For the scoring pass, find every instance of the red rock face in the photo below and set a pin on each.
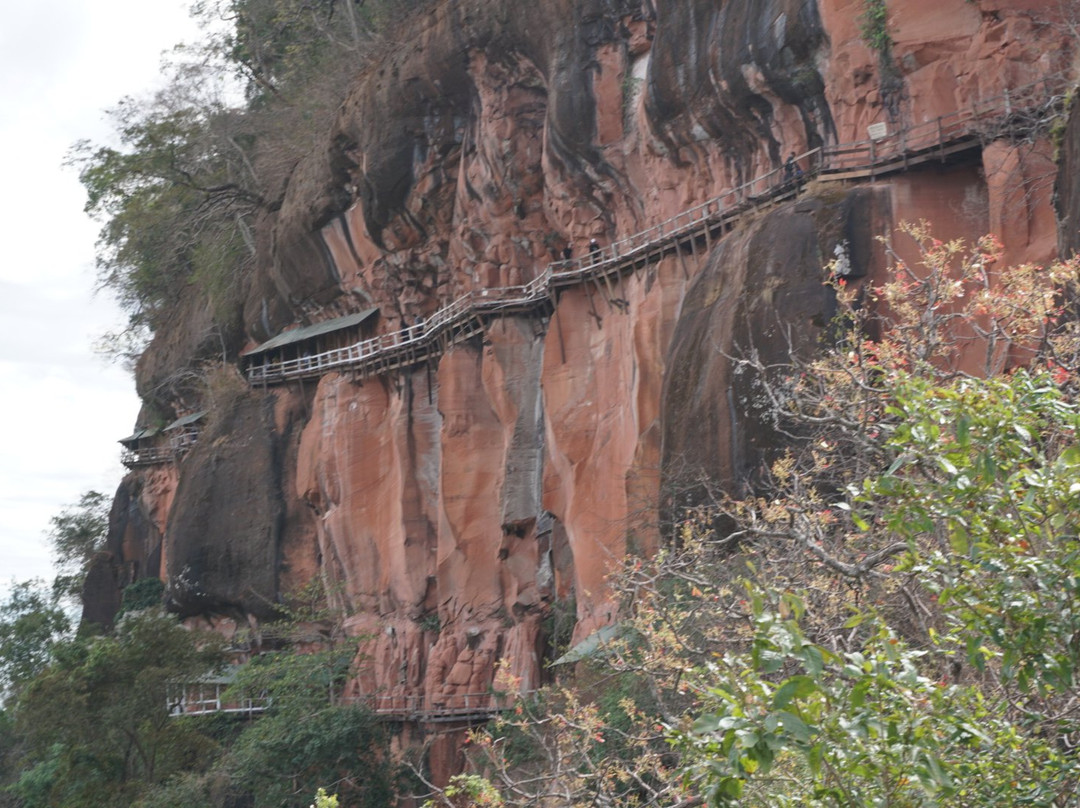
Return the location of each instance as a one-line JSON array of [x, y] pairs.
[[452, 504]]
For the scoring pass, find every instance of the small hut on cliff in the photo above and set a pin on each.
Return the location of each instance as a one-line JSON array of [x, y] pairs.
[[306, 344]]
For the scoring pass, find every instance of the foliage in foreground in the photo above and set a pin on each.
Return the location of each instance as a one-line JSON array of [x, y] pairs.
[[974, 704], [893, 618]]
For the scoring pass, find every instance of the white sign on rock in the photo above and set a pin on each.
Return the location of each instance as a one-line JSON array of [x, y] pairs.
[[877, 131]]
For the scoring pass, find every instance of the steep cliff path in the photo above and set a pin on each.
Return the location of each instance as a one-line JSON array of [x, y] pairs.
[[1015, 113]]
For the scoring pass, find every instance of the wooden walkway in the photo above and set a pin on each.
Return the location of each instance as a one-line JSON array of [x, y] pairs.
[[209, 698], [153, 455], [147, 457], [1014, 113], [457, 708]]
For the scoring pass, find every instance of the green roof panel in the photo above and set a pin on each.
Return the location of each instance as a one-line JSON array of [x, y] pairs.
[[310, 331], [139, 434], [185, 421]]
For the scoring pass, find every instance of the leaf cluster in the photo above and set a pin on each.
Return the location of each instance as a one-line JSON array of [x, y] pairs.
[[77, 534], [909, 595]]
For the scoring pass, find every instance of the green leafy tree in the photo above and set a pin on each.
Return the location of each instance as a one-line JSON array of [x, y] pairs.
[[31, 623], [981, 708], [176, 200], [95, 728], [76, 536], [907, 577], [308, 736]]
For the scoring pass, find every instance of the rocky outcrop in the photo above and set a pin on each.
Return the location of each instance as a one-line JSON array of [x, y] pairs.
[[231, 514], [452, 504], [761, 291], [134, 546]]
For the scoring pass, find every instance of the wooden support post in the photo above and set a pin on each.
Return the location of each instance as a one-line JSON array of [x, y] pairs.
[[600, 289], [682, 261], [607, 285], [940, 140], [592, 306]]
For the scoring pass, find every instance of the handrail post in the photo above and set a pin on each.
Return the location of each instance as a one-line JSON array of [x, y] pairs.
[[940, 140]]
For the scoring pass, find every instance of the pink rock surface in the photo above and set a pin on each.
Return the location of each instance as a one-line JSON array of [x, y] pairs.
[[521, 466]]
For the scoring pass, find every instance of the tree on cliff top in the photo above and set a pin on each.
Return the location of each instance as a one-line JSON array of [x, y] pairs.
[[179, 196]]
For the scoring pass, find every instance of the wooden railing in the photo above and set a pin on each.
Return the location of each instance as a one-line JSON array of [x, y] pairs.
[[921, 142], [208, 698], [438, 709], [148, 456], [152, 455]]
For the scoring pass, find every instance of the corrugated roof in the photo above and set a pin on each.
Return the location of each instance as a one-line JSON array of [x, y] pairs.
[[225, 676], [309, 331], [594, 644], [138, 434], [187, 419]]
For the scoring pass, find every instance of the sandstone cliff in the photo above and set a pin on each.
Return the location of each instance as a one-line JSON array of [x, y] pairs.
[[451, 504]]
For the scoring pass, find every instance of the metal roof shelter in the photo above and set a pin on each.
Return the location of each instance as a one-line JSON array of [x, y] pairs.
[[175, 439], [206, 694], [311, 331], [187, 420], [139, 434], [595, 644]]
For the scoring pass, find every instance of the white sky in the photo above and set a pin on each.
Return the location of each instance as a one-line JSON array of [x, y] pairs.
[[62, 407]]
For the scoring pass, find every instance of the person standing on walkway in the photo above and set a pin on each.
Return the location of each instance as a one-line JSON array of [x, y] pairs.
[[594, 251]]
